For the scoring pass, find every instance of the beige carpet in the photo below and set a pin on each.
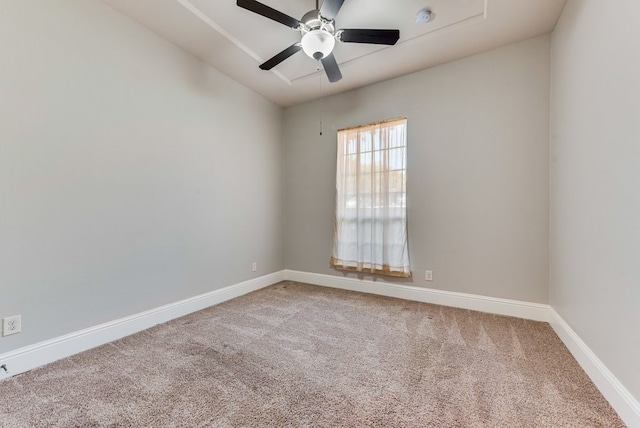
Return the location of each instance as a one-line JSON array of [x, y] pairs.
[[299, 355]]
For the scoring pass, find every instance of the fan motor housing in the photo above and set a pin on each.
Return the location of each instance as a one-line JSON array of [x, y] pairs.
[[314, 21]]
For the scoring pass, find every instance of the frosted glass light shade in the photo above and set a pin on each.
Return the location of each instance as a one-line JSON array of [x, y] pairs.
[[317, 44]]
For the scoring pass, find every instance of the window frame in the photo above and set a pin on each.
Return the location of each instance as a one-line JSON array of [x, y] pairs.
[[375, 260]]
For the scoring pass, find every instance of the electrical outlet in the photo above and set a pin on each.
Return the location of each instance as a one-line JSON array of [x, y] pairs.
[[11, 325], [428, 275], [254, 267]]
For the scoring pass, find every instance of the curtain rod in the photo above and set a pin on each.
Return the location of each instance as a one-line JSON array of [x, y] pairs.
[[379, 122]]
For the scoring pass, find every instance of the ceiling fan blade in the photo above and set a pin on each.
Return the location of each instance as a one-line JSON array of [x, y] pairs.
[[376, 37], [331, 68], [269, 64], [267, 12], [330, 8]]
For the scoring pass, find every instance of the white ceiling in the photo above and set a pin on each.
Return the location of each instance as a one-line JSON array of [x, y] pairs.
[[236, 41]]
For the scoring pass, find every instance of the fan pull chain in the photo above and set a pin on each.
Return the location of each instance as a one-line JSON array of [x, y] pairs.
[[321, 102]]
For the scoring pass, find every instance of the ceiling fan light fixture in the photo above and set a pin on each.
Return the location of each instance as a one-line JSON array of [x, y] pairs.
[[319, 34], [318, 44]]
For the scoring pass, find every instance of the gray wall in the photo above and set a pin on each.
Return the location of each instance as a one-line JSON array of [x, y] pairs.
[[595, 180], [131, 175], [478, 188]]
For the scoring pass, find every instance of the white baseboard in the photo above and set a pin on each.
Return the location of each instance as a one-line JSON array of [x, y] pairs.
[[619, 397], [30, 357], [514, 308]]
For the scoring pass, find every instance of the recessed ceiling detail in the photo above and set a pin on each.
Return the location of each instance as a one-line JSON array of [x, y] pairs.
[[354, 13], [233, 40]]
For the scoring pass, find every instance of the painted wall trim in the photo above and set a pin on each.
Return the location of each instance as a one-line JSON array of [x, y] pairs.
[[493, 305], [39, 354], [33, 356], [619, 397]]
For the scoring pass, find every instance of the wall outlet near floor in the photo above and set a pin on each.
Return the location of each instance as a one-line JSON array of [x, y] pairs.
[[428, 275], [11, 325], [254, 267]]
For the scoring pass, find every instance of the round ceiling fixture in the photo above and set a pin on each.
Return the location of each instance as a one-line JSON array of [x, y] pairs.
[[318, 44], [423, 16]]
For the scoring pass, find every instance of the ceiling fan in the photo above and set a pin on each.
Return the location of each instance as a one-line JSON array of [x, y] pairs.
[[319, 34]]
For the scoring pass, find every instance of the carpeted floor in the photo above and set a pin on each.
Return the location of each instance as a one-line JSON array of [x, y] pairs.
[[300, 355]]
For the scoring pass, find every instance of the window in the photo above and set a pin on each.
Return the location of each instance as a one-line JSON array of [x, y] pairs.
[[371, 200]]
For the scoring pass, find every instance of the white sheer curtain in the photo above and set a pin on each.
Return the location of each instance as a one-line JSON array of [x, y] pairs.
[[371, 211]]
